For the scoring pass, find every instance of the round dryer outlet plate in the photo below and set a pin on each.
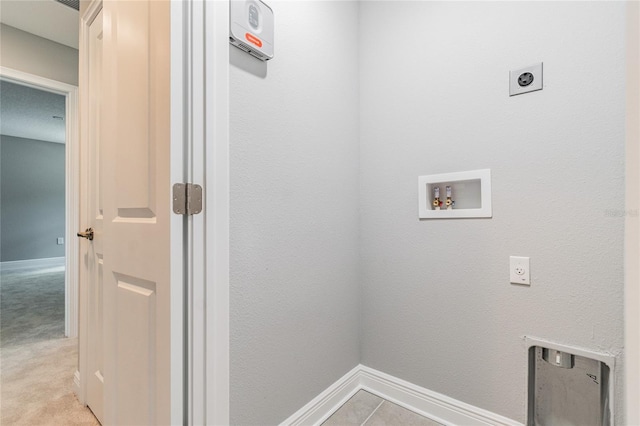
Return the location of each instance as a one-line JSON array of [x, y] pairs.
[[525, 79]]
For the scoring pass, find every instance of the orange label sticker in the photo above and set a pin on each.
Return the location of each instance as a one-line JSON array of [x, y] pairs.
[[253, 39]]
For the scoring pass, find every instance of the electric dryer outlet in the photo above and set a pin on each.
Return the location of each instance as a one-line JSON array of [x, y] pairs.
[[525, 80]]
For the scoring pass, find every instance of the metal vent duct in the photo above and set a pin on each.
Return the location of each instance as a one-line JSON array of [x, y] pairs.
[[73, 4]]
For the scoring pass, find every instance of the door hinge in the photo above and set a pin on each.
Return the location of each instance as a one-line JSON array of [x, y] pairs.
[[187, 198]]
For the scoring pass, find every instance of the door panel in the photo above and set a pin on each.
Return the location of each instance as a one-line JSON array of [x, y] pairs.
[[137, 208], [136, 360], [134, 139]]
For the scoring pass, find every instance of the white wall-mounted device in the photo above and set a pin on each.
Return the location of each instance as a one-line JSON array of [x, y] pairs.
[[251, 28]]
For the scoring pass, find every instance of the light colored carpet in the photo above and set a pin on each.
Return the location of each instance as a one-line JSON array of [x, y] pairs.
[[37, 381], [31, 305], [36, 362]]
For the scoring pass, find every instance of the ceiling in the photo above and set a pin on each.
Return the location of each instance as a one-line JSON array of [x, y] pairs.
[[45, 18], [28, 113]]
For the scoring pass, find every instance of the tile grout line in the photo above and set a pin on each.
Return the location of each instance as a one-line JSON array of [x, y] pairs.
[[372, 413]]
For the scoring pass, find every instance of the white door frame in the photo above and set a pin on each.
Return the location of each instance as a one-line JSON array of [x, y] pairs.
[[72, 170], [206, 130]]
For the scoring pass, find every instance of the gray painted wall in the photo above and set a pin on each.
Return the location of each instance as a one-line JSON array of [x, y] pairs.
[[32, 211], [438, 309], [294, 213], [432, 299], [35, 55]]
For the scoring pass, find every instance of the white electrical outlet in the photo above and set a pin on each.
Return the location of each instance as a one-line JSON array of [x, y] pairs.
[[60, 241], [519, 270]]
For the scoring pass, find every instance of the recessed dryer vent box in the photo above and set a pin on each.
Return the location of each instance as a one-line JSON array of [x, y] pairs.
[[568, 386], [251, 28], [471, 192]]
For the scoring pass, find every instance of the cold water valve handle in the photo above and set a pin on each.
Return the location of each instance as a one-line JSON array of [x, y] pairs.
[[449, 203]]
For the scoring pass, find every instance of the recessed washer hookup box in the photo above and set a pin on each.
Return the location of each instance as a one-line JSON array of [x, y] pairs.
[[251, 28]]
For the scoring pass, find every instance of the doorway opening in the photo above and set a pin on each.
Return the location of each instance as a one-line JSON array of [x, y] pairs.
[[39, 313], [32, 143], [26, 89]]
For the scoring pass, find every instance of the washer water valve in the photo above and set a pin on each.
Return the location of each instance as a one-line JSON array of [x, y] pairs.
[[449, 203], [436, 198]]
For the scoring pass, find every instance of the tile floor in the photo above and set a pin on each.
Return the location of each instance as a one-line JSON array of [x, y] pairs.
[[367, 409]]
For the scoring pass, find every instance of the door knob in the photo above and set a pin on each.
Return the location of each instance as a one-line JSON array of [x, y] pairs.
[[88, 234]]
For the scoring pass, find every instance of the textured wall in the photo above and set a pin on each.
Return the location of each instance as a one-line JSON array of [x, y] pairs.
[[294, 217], [35, 55], [31, 199], [438, 309]]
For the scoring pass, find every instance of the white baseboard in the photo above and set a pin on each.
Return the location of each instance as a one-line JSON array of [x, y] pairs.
[[16, 265], [325, 404], [438, 407]]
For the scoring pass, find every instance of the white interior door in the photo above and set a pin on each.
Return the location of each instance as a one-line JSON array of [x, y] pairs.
[[95, 254], [136, 208]]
